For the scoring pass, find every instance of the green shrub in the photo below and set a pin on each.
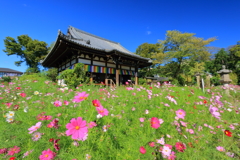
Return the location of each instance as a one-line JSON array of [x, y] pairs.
[[73, 77], [215, 80], [32, 70], [142, 81], [181, 80], [6, 79], [52, 74], [175, 82]]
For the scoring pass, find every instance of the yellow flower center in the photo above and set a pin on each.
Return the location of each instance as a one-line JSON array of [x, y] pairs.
[[46, 155], [77, 127]]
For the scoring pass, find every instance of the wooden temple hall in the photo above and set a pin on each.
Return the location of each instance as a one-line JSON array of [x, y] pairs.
[[102, 58]]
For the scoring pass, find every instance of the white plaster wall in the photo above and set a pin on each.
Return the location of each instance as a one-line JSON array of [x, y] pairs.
[[84, 61], [98, 63]]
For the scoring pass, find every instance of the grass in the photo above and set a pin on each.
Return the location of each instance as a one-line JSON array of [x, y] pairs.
[[124, 134]]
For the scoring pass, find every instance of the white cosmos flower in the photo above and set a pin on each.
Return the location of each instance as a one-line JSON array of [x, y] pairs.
[[25, 109], [99, 116], [10, 114], [10, 119], [36, 93]]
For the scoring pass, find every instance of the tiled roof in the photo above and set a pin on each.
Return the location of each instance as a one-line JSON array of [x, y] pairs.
[[92, 41], [9, 70]]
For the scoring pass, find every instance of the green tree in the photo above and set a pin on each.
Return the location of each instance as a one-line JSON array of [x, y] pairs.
[[179, 47], [73, 77], [152, 51], [234, 60], [29, 50]]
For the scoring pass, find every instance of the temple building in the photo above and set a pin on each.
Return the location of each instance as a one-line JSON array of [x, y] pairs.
[[102, 58], [9, 72]]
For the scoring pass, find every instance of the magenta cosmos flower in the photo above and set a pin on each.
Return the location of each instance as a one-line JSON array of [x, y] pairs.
[[180, 146], [220, 148], [57, 103], [142, 150], [13, 150], [102, 111], [180, 113], [77, 128], [155, 123], [34, 128], [47, 155], [96, 103], [80, 97]]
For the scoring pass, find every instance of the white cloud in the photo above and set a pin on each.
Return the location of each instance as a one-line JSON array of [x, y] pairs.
[[149, 32]]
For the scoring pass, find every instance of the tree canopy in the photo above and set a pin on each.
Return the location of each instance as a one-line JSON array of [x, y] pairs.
[[180, 47], [29, 50]]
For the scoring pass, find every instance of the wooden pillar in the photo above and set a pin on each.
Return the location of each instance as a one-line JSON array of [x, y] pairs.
[[91, 77], [136, 75], [117, 74], [107, 70]]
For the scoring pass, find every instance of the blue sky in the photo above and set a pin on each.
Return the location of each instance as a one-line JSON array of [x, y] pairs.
[[129, 22]]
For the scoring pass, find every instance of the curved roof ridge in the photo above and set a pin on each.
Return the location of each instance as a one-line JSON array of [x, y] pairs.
[[78, 30]]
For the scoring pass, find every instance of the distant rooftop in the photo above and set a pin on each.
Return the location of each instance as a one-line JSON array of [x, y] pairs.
[[7, 70]]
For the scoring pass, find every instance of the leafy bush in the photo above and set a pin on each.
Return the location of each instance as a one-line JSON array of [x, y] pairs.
[[6, 79], [175, 82], [215, 80], [73, 77], [52, 74], [32, 70], [142, 81], [181, 80]]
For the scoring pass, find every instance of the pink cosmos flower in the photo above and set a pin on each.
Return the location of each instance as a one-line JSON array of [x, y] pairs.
[[142, 150], [168, 145], [22, 94], [27, 153], [80, 97], [57, 103], [47, 155], [161, 121], [151, 144], [167, 105], [183, 123], [3, 150], [180, 113], [155, 123], [92, 124], [172, 156], [161, 141], [96, 103], [66, 103], [230, 154], [231, 126], [13, 150], [191, 131], [141, 119], [180, 146], [36, 136], [54, 123], [77, 128], [34, 128], [220, 148], [129, 88], [166, 151], [102, 111]]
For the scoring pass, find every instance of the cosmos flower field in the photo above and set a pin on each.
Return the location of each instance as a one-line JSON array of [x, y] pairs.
[[41, 120]]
